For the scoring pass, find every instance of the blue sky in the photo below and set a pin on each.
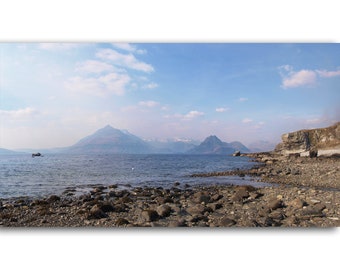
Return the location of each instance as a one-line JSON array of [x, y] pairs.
[[53, 94]]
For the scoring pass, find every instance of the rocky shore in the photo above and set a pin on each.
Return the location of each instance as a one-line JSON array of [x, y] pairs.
[[306, 195]]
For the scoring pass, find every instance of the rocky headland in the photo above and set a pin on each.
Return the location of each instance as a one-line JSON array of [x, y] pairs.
[[305, 192], [312, 142]]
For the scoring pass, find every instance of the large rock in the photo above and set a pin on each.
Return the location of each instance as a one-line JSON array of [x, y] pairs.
[[149, 215], [312, 142]]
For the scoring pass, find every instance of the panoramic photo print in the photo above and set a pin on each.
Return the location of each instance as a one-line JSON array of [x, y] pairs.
[[169, 134]]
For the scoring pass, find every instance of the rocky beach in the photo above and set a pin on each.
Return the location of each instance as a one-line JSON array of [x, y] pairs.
[[304, 172], [305, 193]]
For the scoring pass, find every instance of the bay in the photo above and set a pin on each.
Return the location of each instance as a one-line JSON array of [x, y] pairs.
[[22, 175]]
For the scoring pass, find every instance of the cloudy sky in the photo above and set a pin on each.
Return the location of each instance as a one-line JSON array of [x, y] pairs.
[[53, 94]]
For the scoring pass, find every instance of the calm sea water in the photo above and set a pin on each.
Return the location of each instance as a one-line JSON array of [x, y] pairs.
[[22, 175]]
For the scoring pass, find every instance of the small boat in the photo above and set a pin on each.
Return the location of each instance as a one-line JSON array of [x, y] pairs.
[[36, 155]]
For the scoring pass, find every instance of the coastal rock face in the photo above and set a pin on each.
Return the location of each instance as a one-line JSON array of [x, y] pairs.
[[323, 141]]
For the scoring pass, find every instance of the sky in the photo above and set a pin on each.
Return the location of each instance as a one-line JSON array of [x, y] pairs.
[[54, 94]]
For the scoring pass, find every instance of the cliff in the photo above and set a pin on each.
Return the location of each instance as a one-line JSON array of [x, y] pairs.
[[311, 142]]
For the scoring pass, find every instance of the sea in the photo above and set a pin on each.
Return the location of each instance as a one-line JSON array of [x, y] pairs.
[[23, 175]]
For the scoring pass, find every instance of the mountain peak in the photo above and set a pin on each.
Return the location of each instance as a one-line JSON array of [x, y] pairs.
[[213, 138], [213, 145], [107, 127]]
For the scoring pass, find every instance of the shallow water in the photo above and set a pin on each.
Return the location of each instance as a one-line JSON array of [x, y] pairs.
[[22, 175]]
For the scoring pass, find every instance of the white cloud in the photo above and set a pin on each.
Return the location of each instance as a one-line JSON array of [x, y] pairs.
[[300, 78], [247, 120], [112, 83], [93, 66], [189, 116], [19, 114], [242, 99], [58, 46], [193, 114], [149, 103], [128, 47], [150, 86], [124, 60], [304, 77], [222, 110], [328, 74]]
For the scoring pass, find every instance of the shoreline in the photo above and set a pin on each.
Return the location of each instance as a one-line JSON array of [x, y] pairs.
[[306, 194]]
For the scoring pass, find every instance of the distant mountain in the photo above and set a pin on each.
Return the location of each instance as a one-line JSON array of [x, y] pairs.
[[172, 146], [4, 151], [111, 140], [213, 145]]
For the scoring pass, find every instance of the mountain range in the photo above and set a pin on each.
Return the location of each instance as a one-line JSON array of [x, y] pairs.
[[115, 141], [111, 140], [213, 145]]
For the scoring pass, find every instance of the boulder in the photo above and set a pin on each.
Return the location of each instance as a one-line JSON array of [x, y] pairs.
[[107, 207], [96, 213], [163, 210], [53, 198], [275, 203]]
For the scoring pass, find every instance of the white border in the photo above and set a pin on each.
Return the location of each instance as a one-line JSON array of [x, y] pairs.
[[169, 21]]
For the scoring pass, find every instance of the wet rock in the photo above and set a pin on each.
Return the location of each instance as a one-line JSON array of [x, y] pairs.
[[107, 207], [39, 202], [177, 183], [236, 154], [113, 186], [53, 198], [149, 215], [96, 213], [112, 194]]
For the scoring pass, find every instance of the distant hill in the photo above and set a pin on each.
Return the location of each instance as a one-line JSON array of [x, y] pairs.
[[4, 151], [213, 145], [172, 146], [111, 140]]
